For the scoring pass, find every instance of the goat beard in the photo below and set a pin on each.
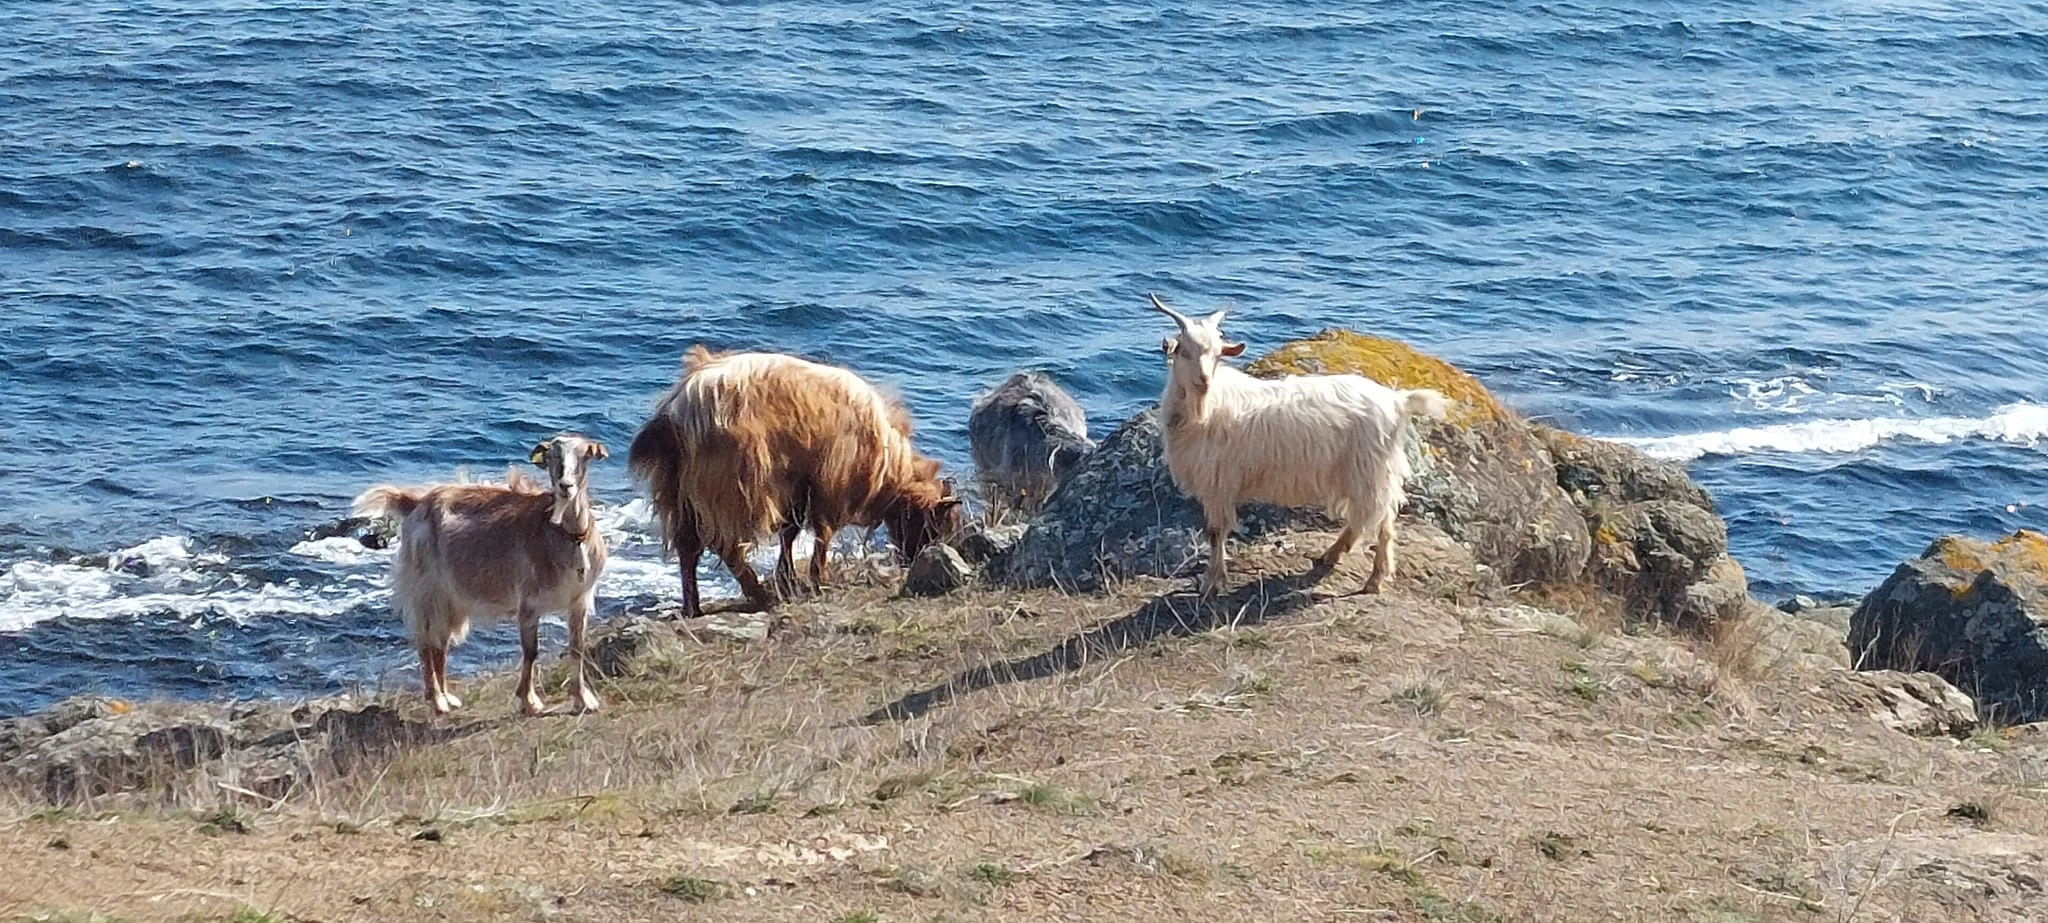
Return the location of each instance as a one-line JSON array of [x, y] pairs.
[[573, 517], [1185, 405]]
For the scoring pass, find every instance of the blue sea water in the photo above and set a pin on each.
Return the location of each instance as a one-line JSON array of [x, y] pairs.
[[255, 256]]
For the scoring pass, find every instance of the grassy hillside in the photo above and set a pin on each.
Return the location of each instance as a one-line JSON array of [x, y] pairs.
[[1287, 754]]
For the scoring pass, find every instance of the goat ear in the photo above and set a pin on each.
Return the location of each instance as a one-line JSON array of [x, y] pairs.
[[1233, 349], [1166, 346], [596, 450], [540, 453], [1215, 321]]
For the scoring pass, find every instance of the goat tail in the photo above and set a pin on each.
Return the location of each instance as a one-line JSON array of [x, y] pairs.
[[1425, 404], [656, 459], [386, 501]]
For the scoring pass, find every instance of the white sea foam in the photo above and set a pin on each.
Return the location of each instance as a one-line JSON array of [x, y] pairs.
[[2013, 424], [340, 549], [165, 578], [33, 591]]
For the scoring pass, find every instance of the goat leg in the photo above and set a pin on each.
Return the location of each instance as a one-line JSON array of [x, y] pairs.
[[823, 535], [581, 699], [529, 651], [427, 681], [1382, 557], [1218, 574], [448, 700], [1346, 540], [689, 547], [785, 565], [750, 583]]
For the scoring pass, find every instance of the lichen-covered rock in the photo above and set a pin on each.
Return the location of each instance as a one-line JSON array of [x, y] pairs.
[[1481, 474], [938, 570], [1975, 612]]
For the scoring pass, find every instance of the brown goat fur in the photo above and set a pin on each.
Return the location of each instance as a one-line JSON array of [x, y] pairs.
[[748, 443]]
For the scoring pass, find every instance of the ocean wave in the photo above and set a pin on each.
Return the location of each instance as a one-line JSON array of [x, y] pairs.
[[2013, 424]]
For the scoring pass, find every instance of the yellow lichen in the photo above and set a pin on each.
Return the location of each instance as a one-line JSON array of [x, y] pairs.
[[1389, 362], [2023, 554]]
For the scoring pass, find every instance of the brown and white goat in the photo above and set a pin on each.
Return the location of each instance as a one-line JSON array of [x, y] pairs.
[[469, 551], [748, 443]]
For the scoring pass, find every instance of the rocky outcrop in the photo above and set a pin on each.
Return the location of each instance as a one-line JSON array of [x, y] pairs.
[[1533, 504], [1974, 612]]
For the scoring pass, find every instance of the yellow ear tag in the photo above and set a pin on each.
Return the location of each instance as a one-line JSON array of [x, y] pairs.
[[540, 454]]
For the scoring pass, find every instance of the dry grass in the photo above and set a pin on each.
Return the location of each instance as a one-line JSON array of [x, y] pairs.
[[1284, 754]]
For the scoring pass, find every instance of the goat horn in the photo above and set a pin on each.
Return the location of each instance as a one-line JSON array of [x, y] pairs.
[[1178, 318]]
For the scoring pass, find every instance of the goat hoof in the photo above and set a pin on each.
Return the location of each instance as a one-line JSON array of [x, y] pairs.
[[533, 706], [583, 702]]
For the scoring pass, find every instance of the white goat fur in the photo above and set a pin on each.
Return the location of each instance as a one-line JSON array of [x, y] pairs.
[[1332, 441]]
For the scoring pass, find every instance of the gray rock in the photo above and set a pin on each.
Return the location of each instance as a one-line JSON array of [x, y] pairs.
[[938, 570], [1026, 436], [1972, 611], [1835, 618], [120, 752], [1595, 470], [1791, 640]]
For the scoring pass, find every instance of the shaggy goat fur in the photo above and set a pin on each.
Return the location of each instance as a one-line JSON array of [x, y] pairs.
[[746, 443], [1027, 436], [517, 550], [1311, 440]]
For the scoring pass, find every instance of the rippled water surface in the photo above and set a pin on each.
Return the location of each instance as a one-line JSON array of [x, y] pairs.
[[255, 256]]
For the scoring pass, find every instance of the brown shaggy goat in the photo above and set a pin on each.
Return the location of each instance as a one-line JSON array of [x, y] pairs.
[[748, 443], [515, 549]]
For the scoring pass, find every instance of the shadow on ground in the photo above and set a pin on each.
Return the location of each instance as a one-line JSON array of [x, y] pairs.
[[1178, 614]]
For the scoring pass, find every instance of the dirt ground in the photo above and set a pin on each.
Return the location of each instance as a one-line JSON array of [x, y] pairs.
[[1285, 754]]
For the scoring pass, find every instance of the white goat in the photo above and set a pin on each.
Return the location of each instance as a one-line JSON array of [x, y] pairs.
[[1309, 440], [496, 550]]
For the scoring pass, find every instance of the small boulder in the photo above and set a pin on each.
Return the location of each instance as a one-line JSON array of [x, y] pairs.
[[1975, 612], [938, 570], [984, 545], [1657, 540], [1920, 704]]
